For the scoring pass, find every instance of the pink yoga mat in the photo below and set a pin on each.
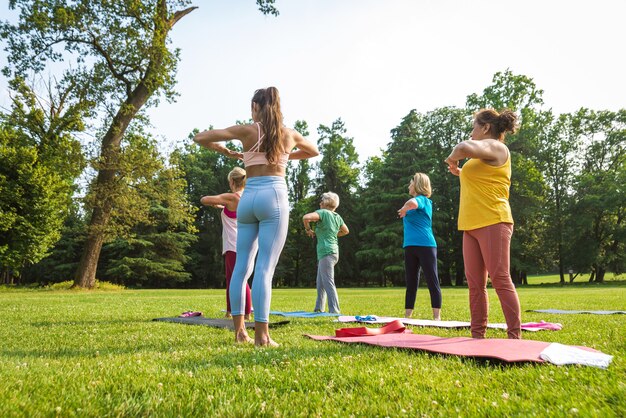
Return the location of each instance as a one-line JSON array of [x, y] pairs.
[[495, 348], [527, 326]]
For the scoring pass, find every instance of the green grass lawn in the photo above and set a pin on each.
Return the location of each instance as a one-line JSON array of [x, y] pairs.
[[581, 279], [98, 353]]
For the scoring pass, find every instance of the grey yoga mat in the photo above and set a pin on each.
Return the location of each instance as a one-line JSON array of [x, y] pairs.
[[213, 322], [562, 311]]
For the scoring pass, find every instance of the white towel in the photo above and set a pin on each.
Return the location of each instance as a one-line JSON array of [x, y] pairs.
[[566, 354]]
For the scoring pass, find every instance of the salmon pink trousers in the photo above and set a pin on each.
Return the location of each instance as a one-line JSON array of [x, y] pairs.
[[487, 250]]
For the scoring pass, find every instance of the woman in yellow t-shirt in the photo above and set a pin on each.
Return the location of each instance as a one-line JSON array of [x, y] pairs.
[[485, 217]]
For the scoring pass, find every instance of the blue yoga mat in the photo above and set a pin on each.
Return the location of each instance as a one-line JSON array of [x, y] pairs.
[[303, 314], [560, 311]]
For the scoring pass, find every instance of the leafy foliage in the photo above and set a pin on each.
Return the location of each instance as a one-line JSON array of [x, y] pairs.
[[39, 161], [338, 172]]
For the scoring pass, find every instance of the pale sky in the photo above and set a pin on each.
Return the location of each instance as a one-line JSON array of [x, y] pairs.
[[371, 61]]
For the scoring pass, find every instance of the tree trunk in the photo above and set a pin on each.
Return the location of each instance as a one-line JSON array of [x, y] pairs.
[[109, 152], [592, 276], [459, 278], [515, 276], [6, 276], [86, 273], [524, 278], [445, 278], [105, 184], [600, 275], [296, 276]]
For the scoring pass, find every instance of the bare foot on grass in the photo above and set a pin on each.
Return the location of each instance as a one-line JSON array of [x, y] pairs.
[[243, 338], [266, 343], [262, 335]]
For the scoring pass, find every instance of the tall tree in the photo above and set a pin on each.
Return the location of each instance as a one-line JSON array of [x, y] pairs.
[[596, 227], [39, 162], [205, 173], [558, 161], [338, 172], [380, 238], [298, 261], [30, 196], [121, 51], [154, 252], [61, 264]]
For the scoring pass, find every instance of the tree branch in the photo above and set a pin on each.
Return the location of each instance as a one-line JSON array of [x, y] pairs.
[[180, 14], [109, 62]]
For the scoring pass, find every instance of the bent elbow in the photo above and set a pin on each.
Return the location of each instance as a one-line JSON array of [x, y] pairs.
[[313, 152], [199, 137]]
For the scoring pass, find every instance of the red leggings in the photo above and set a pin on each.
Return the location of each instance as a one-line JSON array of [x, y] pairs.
[[487, 250], [229, 263]]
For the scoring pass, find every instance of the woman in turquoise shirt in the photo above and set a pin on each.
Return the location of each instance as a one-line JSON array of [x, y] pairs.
[[420, 247]]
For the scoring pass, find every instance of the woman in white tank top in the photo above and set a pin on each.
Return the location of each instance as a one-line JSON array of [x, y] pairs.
[[229, 202]]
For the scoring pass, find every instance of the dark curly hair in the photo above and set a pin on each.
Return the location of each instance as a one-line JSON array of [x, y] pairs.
[[499, 122]]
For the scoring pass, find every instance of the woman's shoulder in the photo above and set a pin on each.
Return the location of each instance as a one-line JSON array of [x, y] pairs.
[[291, 137], [232, 198], [423, 200], [244, 128]]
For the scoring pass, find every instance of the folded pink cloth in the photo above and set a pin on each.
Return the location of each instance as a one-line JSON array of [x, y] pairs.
[[549, 326], [189, 314]]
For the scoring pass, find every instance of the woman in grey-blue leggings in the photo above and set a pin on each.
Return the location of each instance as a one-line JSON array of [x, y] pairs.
[[263, 214], [263, 211]]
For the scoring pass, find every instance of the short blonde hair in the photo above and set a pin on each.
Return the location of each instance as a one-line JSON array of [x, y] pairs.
[[238, 176], [330, 200], [421, 184]]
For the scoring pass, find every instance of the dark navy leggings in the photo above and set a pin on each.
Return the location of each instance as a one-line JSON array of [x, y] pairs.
[[426, 258]]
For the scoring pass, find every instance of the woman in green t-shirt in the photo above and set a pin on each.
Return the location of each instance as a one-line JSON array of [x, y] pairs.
[[329, 227]]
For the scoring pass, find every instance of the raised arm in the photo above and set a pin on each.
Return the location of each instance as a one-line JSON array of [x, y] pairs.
[[409, 205], [306, 149], [490, 151], [219, 201], [307, 219], [211, 139]]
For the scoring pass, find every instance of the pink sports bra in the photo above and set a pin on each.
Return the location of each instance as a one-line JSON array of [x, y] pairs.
[[254, 157]]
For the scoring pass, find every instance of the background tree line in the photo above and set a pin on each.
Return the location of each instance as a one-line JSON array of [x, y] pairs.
[[84, 191]]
